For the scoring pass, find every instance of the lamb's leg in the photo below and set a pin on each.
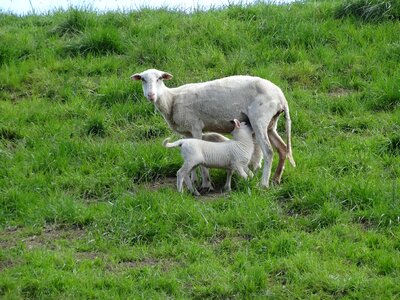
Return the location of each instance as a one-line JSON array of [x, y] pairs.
[[205, 175], [227, 186], [242, 172], [259, 120], [179, 180], [191, 186], [280, 145], [183, 175], [248, 171]]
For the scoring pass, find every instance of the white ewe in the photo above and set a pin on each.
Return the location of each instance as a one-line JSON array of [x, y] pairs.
[[233, 155], [209, 106]]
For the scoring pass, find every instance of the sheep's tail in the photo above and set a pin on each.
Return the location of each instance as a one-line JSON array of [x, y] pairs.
[[288, 134], [178, 143]]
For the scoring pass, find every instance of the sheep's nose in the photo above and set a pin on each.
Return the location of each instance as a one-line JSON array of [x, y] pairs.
[[151, 96]]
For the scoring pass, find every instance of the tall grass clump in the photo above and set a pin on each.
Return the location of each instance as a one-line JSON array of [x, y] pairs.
[[9, 134], [385, 95], [73, 23], [370, 10], [97, 42], [96, 127]]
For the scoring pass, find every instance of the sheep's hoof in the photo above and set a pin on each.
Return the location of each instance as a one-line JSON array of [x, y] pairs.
[[263, 185], [196, 193], [227, 190], [276, 181]]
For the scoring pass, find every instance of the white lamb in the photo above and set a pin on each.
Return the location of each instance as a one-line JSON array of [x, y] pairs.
[[233, 155], [209, 106]]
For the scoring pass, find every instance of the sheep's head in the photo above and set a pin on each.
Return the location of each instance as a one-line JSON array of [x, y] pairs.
[[152, 82]]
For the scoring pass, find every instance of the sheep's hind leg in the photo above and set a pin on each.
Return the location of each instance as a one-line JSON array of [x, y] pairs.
[[281, 147], [259, 121]]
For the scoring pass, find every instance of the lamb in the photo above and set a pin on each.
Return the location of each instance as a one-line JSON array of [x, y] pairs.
[[233, 155], [209, 106]]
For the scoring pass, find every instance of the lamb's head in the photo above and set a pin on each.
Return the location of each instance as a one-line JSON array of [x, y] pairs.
[[241, 131], [152, 83]]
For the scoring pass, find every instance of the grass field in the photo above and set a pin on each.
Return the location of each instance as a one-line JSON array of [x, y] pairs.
[[88, 204]]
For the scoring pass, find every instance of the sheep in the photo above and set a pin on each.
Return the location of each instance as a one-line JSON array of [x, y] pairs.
[[209, 106], [233, 155]]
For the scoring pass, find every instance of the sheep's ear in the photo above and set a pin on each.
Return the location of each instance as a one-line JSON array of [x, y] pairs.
[[237, 123], [166, 76], [136, 77]]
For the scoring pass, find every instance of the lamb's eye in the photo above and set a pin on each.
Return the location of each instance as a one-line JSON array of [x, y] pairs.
[[143, 80]]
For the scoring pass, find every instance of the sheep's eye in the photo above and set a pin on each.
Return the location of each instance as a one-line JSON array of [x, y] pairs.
[[160, 78], [143, 80]]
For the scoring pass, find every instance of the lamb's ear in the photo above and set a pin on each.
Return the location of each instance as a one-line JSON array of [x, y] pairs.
[[166, 76], [136, 77], [237, 123]]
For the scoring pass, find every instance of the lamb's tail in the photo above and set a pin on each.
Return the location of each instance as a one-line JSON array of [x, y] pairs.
[[288, 134], [178, 143]]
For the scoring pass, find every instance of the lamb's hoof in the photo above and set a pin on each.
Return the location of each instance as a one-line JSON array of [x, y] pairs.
[[255, 167], [206, 189]]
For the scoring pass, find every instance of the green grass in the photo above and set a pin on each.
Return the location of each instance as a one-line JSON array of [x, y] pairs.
[[88, 204]]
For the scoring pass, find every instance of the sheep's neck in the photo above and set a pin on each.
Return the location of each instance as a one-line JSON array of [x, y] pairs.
[[165, 104]]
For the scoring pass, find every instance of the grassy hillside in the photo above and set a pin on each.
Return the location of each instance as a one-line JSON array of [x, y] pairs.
[[88, 208]]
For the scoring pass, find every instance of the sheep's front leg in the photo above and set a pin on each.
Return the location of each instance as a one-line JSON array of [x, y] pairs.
[[205, 175], [256, 158]]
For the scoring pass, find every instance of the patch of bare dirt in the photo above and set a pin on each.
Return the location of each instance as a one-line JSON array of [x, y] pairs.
[[170, 182], [12, 236], [164, 264], [339, 92], [165, 182]]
